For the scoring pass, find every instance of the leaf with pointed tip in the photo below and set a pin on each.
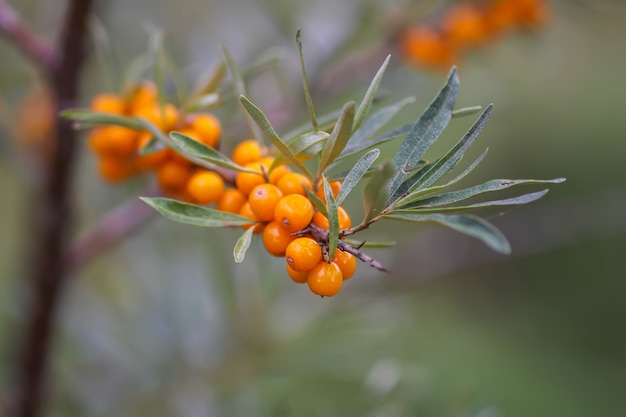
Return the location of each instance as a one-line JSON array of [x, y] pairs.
[[333, 219], [450, 159], [211, 80], [338, 138], [242, 245], [204, 102], [192, 147], [265, 125], [152, 146], [305, 83], [359, 140], [455, 196], [513, 201], [425, 131], [376, 192], [356, 173], [88, 118], [325, 122], [464, 223], [466, 111], [193, 214], [370, 94]]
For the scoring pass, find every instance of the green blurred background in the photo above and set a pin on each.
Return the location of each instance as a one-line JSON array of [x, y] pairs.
[[167, 324]]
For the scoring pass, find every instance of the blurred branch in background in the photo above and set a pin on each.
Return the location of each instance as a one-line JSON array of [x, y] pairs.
[[32, 46], [46, 262]]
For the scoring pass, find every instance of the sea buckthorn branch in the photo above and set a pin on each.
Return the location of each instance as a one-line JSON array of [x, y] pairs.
[[33, 46]]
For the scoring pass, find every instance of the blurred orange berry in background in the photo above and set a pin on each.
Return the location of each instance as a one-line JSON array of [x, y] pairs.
[[425, 46]]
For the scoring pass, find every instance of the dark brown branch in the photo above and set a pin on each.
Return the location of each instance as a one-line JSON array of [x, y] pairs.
[[32, 46], [53, 217]]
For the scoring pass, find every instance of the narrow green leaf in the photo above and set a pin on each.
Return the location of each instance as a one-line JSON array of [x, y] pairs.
[[157, 57], [376, 192], [333, 219], [265, 125], [325, 123], [204, 102], [88, 118], [360, 139], [192, 147], [464, 223], [304, 147], [317, 202], [513, 201], [356, 173], [242, 245], [370, 94], [370, 244], [450, 159], [193, 214], [211, 80], [403, 191], [152, 146], [305, 83], [455, 196], [425, 131], [338, 138], [466, 111]]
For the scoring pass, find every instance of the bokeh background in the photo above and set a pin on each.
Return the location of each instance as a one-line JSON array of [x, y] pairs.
[[167, 324]]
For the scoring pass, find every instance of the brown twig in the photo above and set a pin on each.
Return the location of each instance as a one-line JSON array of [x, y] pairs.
[[51, 224], [32, 46]]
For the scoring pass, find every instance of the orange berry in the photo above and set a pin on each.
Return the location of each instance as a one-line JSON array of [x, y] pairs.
[[246, 152], [246, 181], [345, 222], [115, 141], [263, 199], [231, 201], [144, 95], [173, 177], [277, 173], [465, 24], [335, 186], [163, 117], [325, 279], [152, 160], [247, 212], [346, 263], [276, 239], [303, 253], [294, 183], [299, 277], [425, 46], [208, 128], [113, 169], [205, 187], [108, 103], [294, 212]]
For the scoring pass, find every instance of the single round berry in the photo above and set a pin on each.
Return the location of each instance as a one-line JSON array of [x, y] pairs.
[[114, 169], [277, 173], [247, 212], [144, 96], [294, 183], [246, 152], [293, 212], [297, 276], [231, 201], [346, 263], [345, 222], [303, 253], [163, 117], [246, 181], [208, 127], [205, 187], [114, 141], [263, 199], [325, 279], [108, 103], [173, 177], [276, 239]]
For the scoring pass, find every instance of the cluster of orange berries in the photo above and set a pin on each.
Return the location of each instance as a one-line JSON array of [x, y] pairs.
[[275, 199], [118, 148], [278, 203], [467, 25]]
